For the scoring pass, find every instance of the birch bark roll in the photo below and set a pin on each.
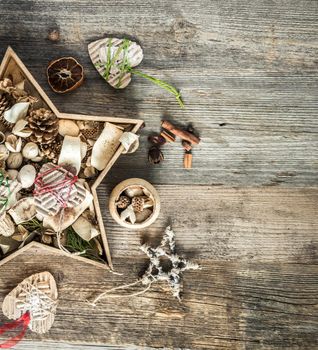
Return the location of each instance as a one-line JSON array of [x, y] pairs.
[[106, 146]]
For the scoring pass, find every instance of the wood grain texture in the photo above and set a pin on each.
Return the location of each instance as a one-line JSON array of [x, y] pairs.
[[247, 211]]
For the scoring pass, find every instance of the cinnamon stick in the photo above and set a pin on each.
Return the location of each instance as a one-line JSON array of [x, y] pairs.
[[187, 160], [183, 134]]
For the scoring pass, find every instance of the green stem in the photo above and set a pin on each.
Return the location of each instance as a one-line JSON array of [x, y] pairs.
[[162, 84]]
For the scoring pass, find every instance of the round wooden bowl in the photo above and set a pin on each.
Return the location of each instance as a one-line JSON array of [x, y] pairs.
[[119, 189]]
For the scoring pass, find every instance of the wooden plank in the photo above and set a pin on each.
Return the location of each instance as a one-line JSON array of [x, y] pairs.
[[248, 75], [227, 305], [229, 224]]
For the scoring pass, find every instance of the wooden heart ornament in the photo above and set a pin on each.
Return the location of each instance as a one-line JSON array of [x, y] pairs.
[[36, 295], [113, 58]]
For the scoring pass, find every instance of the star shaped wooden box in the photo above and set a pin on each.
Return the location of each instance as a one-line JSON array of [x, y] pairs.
[[13, 67]]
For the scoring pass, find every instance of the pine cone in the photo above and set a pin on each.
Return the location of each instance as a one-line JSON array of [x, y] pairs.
[[5, 104], [138, 204], [123, 202], [51, 151], [44, 125]]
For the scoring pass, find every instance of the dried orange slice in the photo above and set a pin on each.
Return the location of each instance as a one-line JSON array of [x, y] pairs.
[[65, 74]]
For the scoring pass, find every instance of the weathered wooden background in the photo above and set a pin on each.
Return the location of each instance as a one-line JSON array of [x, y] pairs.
[[247, 211]]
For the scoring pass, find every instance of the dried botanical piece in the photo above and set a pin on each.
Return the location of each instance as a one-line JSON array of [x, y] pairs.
[[168, 136], [13, 143], [68, 127], [21, 129], [5, 104], [157, 140], [14, 160], [186, 145], [37, 296], [30, 150], [183, 134], [16, 112], [24, 210], [155, 156], [44, 125], [123, 202], [26, 175], [65, 74], [106, 146], [128, 213], [51, 151], [7, 227], [138, 204], [130, 141], [70, 157], [187, 160], [85, 228], [4, 153]]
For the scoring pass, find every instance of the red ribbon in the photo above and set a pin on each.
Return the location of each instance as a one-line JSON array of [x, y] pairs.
[[41, 188], [23, 321]]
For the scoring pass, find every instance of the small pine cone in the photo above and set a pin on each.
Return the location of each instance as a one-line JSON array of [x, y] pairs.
[[5, 104], [51, 151], [44, 125], [138, 204], [123, 202]]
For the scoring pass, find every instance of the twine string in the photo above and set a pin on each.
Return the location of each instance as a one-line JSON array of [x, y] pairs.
[[23, 321]]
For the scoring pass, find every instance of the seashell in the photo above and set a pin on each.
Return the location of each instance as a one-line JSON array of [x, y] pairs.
[[12, 174], [134, 191], [106, 146], [30, 150], [13, 143], [89, 171], [4, 152], [7, 227], [26, 175], [2, 137], [16, 112], [68, 127], [84, 148], [85, 229], [70, 156], [128, 214], [20, 128], [143, 215], [23, 210], [14, 160]]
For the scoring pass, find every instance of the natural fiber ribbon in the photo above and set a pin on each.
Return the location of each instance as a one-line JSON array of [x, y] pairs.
[[23, 322]]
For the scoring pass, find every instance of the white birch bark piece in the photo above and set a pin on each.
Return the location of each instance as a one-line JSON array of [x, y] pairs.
[[70, 156]]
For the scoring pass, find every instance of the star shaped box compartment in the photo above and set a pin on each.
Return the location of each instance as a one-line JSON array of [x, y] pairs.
[[51, 164]]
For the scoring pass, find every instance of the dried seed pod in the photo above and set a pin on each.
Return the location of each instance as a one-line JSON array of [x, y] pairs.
[[168, 136], [186, 145], [14, 160], [54, 35], [155, 156], [138, 204], [157, 140], [65, 74], [46, 239], [123, 202]]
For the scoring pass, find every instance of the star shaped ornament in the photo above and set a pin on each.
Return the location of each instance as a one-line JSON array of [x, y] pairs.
[[51, 164], [173, 274]]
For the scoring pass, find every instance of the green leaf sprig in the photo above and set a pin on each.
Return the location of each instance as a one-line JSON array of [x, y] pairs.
[[4, 181], [125, 67]]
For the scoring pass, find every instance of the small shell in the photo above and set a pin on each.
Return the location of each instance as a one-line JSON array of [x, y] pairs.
[[14, 160], [68, 127], [30, 150], [143, 215], [27, 176], [134, 191], [12, 173], [2, 137], [16, 112], [13, 143], [20, 128], [4, 152]]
